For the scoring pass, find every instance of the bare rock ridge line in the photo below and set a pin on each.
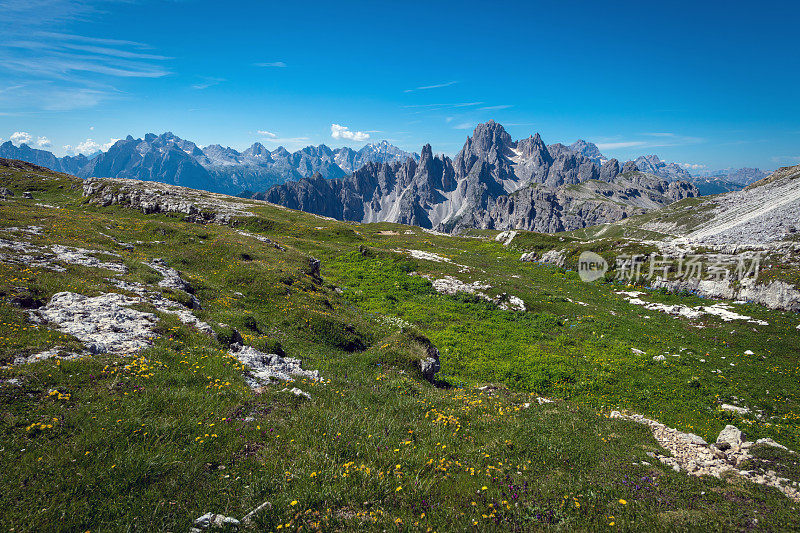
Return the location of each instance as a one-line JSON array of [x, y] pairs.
[[493, 182]]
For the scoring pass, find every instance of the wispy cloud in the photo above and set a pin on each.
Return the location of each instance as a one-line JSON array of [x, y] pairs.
[[55, 71], [652, 140], [693, 166], [267, 134], [785, 159], [623, 144], [463, 126], [343, 132], [207, 82], [437, 107], [435, 86], [273, 64], [495, 107]]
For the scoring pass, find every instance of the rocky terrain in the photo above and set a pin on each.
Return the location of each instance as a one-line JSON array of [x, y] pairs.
[[493, 182]]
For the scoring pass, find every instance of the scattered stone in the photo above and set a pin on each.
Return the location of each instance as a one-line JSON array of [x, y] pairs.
[[266, 367], [690, 452], [528, 257], [154, 197], [659, 358], [171, 278], [5, 193], [297, 392], [769, 442], [80, 256], [506, 237], [730, 435], [637, 352], [247, 521], [212, 521], [735, 409], [55, 351], [27, 195], [721, 310]]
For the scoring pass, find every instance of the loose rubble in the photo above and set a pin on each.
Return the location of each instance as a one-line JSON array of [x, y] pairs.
[[691, 453], [721, 310], [265, 367], [451, 285], [42, 257]]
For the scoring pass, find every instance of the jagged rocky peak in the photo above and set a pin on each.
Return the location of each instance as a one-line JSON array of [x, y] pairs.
[[489, 136], [259, 151], [588, 149], [609, 170], [281, 152], [534, 148], [630, 166]]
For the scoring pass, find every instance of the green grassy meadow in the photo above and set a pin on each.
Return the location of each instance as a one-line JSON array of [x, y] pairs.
[[152, 440]]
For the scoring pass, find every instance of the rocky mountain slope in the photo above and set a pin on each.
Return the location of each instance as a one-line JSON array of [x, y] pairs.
[[763, 212], [493, 182]]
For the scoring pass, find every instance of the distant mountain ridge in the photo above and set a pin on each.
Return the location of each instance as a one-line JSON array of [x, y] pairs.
[[256, 169], [494, 182], [169, 159]]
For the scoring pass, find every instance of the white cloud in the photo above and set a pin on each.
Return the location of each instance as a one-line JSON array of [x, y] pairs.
[[21, 137], [267, 134], [693, 166], [274, 64], [43, 142], [463, 126], [343, 132], [426, 87], [90, 146]]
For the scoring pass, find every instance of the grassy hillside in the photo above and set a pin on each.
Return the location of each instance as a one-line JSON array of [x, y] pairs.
[[152, 440]]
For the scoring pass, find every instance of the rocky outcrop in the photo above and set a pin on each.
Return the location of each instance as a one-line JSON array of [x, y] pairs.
[[263, 368], [162, 198], [775, 294]]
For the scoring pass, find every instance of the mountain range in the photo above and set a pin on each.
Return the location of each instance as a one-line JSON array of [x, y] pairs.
[[493, 182], [169, 159]]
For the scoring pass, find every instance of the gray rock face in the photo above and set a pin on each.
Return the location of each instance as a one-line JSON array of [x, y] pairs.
[[493, 182], [630, 166]]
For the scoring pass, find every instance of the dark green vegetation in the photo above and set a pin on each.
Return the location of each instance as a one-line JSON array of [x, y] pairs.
[[151, 441]]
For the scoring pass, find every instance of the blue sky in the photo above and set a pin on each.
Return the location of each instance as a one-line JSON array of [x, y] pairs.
[[700, 83]]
